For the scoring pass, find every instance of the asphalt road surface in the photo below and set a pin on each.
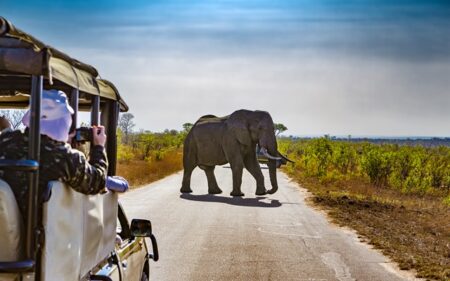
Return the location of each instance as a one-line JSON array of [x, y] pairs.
[[273, 237]]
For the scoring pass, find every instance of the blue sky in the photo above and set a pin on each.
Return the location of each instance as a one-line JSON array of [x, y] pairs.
[[319, 67]]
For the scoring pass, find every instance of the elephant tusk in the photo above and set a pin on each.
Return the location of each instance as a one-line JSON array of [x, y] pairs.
[[285, 158], [265, 153]]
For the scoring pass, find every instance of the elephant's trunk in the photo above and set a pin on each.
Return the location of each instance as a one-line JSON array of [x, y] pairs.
[[273, 176], [269, 148]]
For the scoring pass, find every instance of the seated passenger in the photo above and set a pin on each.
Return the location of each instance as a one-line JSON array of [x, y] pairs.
[[5, 125], [58, 161]]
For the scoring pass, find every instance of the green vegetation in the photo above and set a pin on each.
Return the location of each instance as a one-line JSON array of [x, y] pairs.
[[396, 197], [410, 169], [144, 157], [149, 146]]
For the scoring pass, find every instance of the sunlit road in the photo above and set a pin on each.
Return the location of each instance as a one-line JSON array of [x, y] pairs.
[[276, 237]]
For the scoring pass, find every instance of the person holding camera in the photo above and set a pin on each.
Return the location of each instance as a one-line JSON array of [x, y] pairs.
[[58, 160], [80, 139]]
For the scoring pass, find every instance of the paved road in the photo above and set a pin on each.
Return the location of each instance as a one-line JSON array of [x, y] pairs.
[[276, 237]]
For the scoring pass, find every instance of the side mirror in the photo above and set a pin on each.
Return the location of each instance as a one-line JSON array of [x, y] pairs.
[[141, 228]]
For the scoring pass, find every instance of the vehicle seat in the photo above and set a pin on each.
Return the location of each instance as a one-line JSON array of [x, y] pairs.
[[11, 225], [11, 229]]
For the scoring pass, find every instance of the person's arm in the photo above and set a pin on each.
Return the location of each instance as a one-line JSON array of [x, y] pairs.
[[88, 177]]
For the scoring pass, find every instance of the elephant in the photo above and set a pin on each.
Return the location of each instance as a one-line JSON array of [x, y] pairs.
[[231, 139]]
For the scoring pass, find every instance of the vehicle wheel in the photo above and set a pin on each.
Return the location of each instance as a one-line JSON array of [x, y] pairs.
[[144, 277]]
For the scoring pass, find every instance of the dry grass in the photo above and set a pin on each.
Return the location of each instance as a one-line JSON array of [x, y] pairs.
[[141, 172], [411, 229]]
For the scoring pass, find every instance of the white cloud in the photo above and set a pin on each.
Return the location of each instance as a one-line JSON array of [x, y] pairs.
[[347, 68], [311, 93]]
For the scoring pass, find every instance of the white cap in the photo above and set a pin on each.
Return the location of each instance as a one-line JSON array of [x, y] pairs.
[[56, 115]]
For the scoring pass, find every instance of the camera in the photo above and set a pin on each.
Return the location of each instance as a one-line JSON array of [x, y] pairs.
[[83, 134]]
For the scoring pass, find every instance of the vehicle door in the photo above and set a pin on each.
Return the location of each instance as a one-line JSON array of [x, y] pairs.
[[131, 251]]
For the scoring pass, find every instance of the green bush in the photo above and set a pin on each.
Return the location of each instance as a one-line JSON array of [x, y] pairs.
[[124, 153], [344, 158], [149, 146], [405, 168], [377, 165]]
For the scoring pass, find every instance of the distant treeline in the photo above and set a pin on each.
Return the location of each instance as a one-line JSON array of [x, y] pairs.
[[426, 142]]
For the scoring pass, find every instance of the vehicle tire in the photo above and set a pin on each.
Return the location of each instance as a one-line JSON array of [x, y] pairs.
[[144, 277]]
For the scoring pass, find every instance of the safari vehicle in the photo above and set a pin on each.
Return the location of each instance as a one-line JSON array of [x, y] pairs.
[[67, 235]]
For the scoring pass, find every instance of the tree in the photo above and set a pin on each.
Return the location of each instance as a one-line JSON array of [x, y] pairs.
[[187, 126], [126, 125], [279, 128], [14, 117]]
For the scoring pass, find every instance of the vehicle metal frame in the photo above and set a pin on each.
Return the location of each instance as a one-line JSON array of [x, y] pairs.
[[27, 66]]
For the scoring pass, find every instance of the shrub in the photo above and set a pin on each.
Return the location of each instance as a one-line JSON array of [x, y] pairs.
[[344, 158], [377, 165], [124, 153], [405, 168]]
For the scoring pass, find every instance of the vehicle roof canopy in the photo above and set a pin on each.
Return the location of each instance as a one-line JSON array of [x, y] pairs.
[[22, 55]]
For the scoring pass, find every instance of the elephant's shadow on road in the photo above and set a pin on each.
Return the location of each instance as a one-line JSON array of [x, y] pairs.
[[237, 201]]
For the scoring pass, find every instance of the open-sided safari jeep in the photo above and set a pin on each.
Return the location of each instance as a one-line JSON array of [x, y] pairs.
[[67, 235]]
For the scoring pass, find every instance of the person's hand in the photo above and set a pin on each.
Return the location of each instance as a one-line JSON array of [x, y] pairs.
[[98, 135], [70, 137]]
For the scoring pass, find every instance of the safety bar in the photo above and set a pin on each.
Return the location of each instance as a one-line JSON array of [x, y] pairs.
[[17, 266], [74, 100], [95, 113], [19, 165], [111, 146], [34, 143]]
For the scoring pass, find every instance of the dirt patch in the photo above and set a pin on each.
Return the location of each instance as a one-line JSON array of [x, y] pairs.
[[412, 230]]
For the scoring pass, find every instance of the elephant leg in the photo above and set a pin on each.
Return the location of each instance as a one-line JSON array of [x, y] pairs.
[[213, 187], [237, 179], [252, 165], [186, 185]]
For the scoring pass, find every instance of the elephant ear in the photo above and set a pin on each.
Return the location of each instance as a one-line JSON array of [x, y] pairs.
[[238, 127]]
